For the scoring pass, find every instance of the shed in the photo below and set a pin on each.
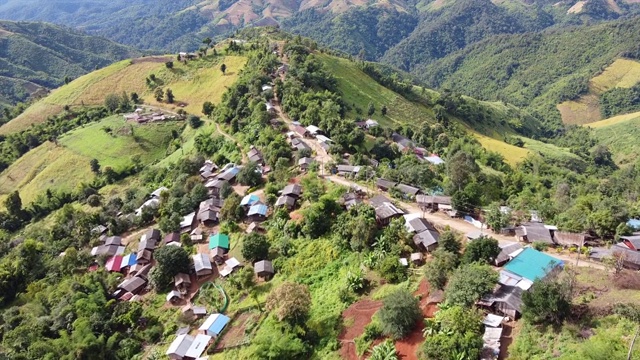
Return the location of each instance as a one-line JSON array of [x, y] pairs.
[[532, 264], [214, 325], [263, 269], [491, 343], [182, 281], [417, 258], [493, 320], [505, 300], [174, 296], [294, 190], [219, 240], [198, 346], [202, 265], [254, 155], [179, 347], [218, 255], [230, 265], [254, 227]]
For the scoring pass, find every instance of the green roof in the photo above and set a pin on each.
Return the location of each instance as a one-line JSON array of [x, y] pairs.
[[219, 240], [532, 264]]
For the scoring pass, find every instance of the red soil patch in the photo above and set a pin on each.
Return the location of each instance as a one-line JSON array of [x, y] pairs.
[[407, 348], [359, 314], [235, 335]]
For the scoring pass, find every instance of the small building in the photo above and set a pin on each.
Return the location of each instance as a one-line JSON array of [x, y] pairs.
[[187, 223], [114, 263], [229, 266], [215, 185], [287, 201], [433, 202], [249, 200], [146, 244], [133, 285], [254, 155], [174, 296], [172, 238], [196, 311], [198, 346], [402, 142], [113, 240], [534, 232], [179, 347], [293, 190], [202, 265], [151, 234], [108, 250], [229, 175], [417, 258], [630, 258], [263, 269], [384, 184], [434, 159], [505, 300], [254, 227], [347, 170], [299, 144], [387, 212], [417, 225], [182, 282], [313, 130], [143, 257], [219, 240], [196, 235], [508, 252], [301, 131], [207, 217], [214, 325], [408, 191], [304, 163], [128, 261], [218, 255], [350, 200], [257, 212], [426, 240]]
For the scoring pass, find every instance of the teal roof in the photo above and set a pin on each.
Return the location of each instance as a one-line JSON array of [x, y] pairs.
[[219, 240], [532, 264]]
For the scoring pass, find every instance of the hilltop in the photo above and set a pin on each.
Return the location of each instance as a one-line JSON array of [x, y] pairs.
[[37, 57]]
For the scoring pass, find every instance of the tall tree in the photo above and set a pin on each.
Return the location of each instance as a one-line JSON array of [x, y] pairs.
[[169, 95], [484, 250], [469, 283], [290, 302], [223, 68], [399, 314]]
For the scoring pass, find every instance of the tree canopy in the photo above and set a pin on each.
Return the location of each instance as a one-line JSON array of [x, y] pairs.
[[399, 314]]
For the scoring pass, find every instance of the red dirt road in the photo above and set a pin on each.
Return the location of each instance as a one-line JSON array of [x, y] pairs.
[[359, 315], [407, 348]]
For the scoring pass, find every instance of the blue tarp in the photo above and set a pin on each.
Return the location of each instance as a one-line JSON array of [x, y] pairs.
[[219, 324]]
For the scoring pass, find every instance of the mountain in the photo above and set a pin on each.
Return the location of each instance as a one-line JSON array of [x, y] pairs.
[[35, 57], [541, 71]]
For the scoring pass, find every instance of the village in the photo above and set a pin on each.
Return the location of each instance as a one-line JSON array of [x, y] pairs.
[[425, 216]]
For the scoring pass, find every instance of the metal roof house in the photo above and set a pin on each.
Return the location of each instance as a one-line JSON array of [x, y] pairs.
[[179, 347], [202, 265], [294, 190], [214, 325], [285, 200], [198, 346], [532, 264], [219, 240], [258, 212], [263, 269], [534, 232], [249, 200]]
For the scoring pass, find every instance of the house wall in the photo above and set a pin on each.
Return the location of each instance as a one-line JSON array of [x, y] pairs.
[[505, 309]]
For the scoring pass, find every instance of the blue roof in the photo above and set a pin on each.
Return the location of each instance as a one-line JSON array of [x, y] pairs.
[[249, 200], [258, 209], [532, 264], [219, 324], [634, 223]]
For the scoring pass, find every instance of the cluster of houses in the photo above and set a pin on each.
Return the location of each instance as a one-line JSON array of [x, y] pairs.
[[289, 196], [406, 145], [299, 132], [141, 116]]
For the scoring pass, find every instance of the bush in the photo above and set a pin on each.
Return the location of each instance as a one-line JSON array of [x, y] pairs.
[[194, 121], [540, 246], [399, 314], [391, 270], [93, 200]]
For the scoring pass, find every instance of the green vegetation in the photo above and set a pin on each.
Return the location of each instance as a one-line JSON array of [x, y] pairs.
[[399, 314]]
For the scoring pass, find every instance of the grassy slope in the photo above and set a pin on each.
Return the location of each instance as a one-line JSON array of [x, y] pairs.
[[622, 73], [116, 150], [194, 83], [620, 134]]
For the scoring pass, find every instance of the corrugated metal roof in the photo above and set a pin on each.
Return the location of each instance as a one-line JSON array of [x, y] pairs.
[[532, 264]]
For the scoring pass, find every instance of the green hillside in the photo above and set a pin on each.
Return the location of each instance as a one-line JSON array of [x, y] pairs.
[[35, 57], [620, 134], [536, 72]]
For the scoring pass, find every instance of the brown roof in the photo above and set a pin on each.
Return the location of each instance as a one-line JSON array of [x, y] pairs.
[[182, 278], [567, 238], [537, 232], [433, 199], [385, 183], [300, 130], [172, 237]]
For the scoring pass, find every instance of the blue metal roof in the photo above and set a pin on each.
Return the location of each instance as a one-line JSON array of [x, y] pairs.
[[249, 200], [258, 209], [532, 264], [219, 324]]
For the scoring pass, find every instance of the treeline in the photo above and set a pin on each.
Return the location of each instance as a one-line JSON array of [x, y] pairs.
[[620, 101]]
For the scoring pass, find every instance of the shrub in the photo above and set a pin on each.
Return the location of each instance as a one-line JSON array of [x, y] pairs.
[[399, 314]]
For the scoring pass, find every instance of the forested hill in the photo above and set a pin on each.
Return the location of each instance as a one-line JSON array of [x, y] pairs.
[[538, 71], [38, 56]]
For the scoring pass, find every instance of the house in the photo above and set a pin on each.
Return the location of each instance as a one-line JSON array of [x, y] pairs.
[[301, 131], [188, 222], [323, 139], [384, 184], [113, 240], [174, 296], [385, 210], [196, 235], [146, 244], [182, 282], [293, 190], [313, 130], [350, 200], [632, 242], [249, 200], [254, 227], [171, 238], [198, 346], [151, 234], [218, 255], [299, 144], [229, 175], [108, 250], [208, 168], [151, 203], [141, 271], [197, 311], [133, 285], [534, 232], [402, 142], [417, 258], [254, 155], [263, 269], [214, 186], [433, 202], [630, 258], [143, 257], [202, 265], [229, 266], [532, 264], [208, 211], [507, 252], [179, 347], [128, 260], [288, 201], [426, 240], [214, 325], [304, 163], [114, 263], [417, 224], [506, 300], [408, 191], [257, 212], [571, 239], [348, 170], [219, 240]]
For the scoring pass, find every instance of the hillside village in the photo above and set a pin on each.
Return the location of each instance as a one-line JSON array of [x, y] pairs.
[[290, 230]]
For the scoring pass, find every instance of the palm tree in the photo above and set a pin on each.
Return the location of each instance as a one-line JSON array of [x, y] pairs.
[[384, 351]]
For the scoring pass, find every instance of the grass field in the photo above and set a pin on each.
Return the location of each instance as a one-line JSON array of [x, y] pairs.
[[620, 134], [126, 139], [512, 154], [622, 73], [46, 167], [358, 90], [194, 83]]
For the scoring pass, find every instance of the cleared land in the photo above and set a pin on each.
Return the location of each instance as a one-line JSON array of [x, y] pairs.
[[46, 167], [512, 154], [125, 139], [621, 135], [622, 73]]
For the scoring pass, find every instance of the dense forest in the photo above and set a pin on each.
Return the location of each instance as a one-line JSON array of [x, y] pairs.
[[43, 56]]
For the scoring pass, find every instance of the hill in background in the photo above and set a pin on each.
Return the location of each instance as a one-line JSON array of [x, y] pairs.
[[35, 57]]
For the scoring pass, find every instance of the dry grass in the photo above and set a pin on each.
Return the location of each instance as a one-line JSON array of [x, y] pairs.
[[35, 114], [598, 288], [582, 111], [622, 73], [614, 120]]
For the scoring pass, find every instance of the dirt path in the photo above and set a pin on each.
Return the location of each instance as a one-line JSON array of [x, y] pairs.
[[356, 317], [221, 132]]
